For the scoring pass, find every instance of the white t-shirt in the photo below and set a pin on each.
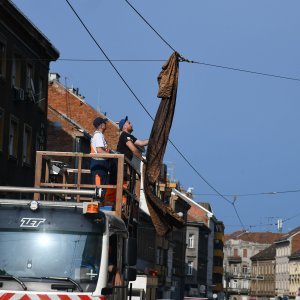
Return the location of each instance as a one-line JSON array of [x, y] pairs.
[[98, 140]]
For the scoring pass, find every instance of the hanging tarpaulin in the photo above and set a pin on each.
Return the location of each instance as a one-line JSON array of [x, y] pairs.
[[163, 217]]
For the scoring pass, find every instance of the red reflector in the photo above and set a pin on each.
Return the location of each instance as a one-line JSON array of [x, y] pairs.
[[92, 208]]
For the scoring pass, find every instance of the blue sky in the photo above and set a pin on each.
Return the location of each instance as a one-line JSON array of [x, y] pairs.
[[240, 131]]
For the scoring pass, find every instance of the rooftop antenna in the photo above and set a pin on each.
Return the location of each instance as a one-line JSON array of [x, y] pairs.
[[98, 102], [279, 225], [190, 192]]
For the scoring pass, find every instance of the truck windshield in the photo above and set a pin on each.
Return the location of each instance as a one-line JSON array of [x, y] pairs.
[[51, 254]]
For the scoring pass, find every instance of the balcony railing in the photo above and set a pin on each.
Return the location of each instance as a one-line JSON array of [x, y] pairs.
[[234, 259]]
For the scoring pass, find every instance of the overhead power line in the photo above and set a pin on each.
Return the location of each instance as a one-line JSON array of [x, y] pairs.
[[250, 194], [246, 71], [139, 101], [216, 66], [267, 224], [105, 60], [162, 60], [103, 52], [185, 60], [172, 48], [207, 64], [290, 218]]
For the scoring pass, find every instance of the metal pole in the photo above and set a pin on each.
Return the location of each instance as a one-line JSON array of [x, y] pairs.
[[48, 190]]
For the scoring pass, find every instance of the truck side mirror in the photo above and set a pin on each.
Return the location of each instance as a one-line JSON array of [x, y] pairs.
[[130, 273], [130, 252]]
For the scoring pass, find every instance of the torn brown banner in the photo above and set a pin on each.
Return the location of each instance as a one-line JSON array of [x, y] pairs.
[[163, 217]]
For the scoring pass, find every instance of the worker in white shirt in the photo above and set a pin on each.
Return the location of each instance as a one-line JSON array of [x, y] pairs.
[[99, 166]]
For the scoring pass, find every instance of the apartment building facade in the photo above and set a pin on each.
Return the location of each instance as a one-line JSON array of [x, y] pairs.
[[239, 247], [294, 270], [263, 273], [286, 246], [218, 269], [204, 253], [23, 94], [196, 259]]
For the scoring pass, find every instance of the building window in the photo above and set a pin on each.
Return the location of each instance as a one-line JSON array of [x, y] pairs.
[[13, 137], [234, 269], [2, 59], [40, 96], [235, 284], [29, 83], [27, 144], [1, 128], [244, 252], [235, 252], [245, 269], [191, 241], [190, 268], [16, 71]]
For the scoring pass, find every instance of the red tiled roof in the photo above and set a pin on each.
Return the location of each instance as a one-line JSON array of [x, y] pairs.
[[196, 214], [266, 254], [286, 236], [67, 103], [256, 237]]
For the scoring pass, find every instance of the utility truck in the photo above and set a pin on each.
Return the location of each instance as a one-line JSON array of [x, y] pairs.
[[57, 241]]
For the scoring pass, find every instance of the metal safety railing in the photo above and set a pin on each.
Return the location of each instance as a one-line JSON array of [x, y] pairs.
[[69, 172], [19, 189]]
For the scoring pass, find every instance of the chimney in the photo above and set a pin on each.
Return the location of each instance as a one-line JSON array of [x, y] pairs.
[[54, 76]]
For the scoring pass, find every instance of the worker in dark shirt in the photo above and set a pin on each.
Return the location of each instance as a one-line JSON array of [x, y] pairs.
[[128, 144]]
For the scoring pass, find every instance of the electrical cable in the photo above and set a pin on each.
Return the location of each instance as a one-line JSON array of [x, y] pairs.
[[235, 209], [290, 218], [113, 66], [163, 60], [135, 96], [172, 48], [206, 64], [268, 224], [196, 171], [217, 66], [246, 71], [105, 60], [190, 61], [253, 194]]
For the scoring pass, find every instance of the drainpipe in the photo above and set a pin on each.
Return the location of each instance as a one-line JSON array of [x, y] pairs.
[[77, 149]]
